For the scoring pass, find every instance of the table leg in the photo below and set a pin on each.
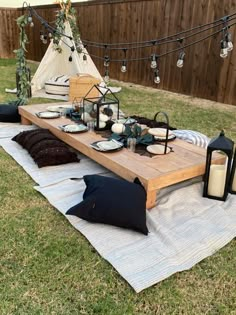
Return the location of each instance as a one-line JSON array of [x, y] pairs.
[[25, 121], [151, 199]]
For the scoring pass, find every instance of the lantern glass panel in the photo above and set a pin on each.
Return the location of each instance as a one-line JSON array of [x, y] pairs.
[[103, 110], [232, 185], [217, 177]]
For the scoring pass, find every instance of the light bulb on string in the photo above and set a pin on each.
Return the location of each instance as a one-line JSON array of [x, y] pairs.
[[70, 58], [106, 76], [41, 35], [224, 49], [153, 61], [228, 38], [45, 41], [124, 62], [85, 59], [72, 48], [124, 66], [106, 61], [180, 61], [157, 79], [30, 20]]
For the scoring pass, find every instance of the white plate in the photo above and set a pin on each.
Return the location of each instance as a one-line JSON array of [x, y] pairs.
[[126, 121], [159, 132], [58, 108], [170, 137], [74, 128], [48, 115], [107, 145], [157, 149]]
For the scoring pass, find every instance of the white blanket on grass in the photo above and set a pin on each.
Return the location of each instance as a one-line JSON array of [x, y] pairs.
[[184, 227], [181, 233]]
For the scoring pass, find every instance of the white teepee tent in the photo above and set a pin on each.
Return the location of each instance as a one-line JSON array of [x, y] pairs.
[[57, 64]]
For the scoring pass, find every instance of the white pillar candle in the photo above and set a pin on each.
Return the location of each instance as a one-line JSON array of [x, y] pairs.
[[216, 183]]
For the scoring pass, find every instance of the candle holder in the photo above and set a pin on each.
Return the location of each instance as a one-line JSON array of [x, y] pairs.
[[232, 181], [217, 177]]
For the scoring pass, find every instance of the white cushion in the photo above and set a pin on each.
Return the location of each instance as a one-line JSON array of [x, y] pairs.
[[193, 137], [58, 85]]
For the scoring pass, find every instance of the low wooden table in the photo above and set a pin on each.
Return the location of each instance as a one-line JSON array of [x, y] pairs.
[[187, 160]]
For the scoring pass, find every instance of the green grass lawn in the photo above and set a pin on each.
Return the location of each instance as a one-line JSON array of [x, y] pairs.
[[47, 267]]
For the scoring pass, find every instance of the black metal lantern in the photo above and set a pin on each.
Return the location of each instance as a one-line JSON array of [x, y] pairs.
[[232, 181], [102, 109], [216, 178]]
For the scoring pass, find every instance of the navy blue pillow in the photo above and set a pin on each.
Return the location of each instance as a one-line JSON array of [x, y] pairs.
[[9, 113], [113, 201]]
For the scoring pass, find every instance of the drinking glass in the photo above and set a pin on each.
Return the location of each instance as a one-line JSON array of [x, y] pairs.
[[90, 125], [131, 144]]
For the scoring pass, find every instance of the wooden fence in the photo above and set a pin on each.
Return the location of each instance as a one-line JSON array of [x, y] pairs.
[[204, 74]]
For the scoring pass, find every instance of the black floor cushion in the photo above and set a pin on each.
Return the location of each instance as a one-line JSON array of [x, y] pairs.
[[113, 201], [9, 113], [45, 148]]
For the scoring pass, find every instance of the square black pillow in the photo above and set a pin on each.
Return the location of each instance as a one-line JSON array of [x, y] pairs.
[[113, 201]]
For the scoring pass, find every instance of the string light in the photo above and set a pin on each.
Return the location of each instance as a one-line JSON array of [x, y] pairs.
[[223, 50], [45, 39], [41, 35], [153, 61], [106, 76], [30, 20], [106, 61], [124, 62], [124, 66], [157, 78], [85, 59], [226, 44], [180, 61], [228, 38]]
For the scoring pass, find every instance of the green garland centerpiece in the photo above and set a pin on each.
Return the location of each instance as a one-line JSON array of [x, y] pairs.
[[133, 131]]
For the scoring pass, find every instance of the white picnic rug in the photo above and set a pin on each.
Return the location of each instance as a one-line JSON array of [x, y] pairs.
[[184, 229]]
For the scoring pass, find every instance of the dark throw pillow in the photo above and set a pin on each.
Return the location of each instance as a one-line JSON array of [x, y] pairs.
[[9, 113], [45, 143], [55, 156], [45, 148], [24, 136], [113, 201]]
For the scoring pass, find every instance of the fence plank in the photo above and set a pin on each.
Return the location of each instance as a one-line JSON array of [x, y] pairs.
[[204, 74]]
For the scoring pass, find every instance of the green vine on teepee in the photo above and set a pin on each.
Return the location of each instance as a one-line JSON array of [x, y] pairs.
[[22, 70], [66, 13]]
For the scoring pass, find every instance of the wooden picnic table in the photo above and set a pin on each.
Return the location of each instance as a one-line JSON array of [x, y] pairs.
[[187, 161]]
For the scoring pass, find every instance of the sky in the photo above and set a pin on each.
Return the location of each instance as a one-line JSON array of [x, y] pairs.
[[19, 3]]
